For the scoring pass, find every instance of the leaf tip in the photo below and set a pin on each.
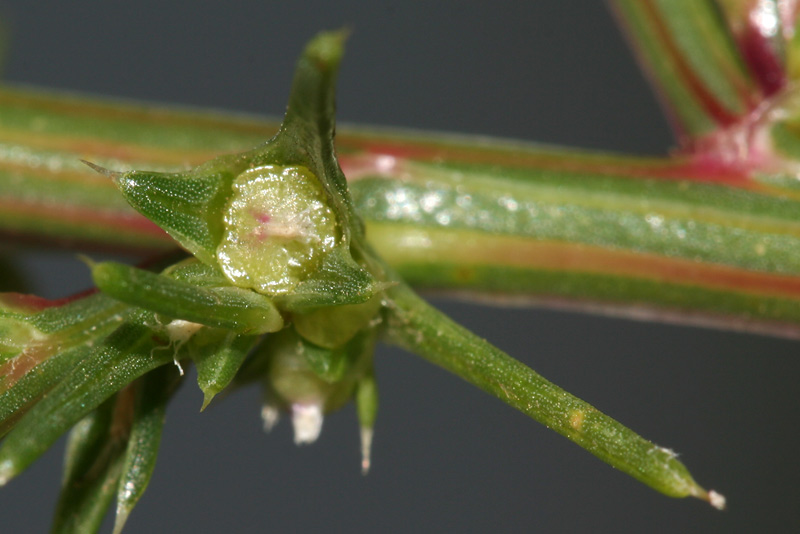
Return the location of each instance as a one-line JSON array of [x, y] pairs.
[[208, 396], [101, 170], [327, 47], [717, 500], [366, 449], [7, 472], [270, 416], [121, 518], [307, 422], [90, 263]]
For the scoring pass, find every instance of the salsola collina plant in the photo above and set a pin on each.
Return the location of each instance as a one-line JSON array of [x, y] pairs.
[[284, 289]]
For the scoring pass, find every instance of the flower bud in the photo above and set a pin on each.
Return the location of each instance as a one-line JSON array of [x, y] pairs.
[[308, 381], [277, 228]]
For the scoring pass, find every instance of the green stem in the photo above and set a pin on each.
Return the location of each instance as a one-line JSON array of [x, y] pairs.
[[667, 238]]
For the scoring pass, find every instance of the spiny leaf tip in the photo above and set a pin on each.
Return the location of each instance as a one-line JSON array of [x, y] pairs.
[[717, 500], [101, 170]]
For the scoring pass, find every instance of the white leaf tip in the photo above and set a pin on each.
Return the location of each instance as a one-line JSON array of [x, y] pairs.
[[120, 520], [6, 472], [270, 415], [366, 449], [307, 422], [717, 500], [101, 170]]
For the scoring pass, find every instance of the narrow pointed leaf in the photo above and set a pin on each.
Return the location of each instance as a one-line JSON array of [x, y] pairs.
[[189, 206], [421, 329], [28, 322], [86, 441], [228, 307], [41, 341], [153, 392], [307, 133], [92, 467], [218, 355], [34, 385], [82, 510], [126, 354]]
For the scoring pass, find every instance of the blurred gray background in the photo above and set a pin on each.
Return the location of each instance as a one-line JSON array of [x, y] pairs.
[[447, 458]]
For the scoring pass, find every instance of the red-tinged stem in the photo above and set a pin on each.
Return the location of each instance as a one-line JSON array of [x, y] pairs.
[[25, 303], [680, 234], [363, 157]]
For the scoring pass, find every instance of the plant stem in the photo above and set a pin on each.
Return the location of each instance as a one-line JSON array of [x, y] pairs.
[[675, 239]]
